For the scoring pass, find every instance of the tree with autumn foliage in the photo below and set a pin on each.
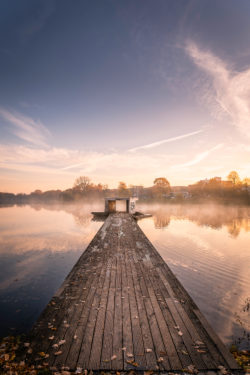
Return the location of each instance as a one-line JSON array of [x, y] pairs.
[[123, 189], [234, 177], [161, 187]]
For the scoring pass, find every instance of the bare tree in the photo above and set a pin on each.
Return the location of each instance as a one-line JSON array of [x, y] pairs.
[[82, 183]]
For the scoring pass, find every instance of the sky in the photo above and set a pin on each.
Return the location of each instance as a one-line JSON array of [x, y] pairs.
[[123, 91]]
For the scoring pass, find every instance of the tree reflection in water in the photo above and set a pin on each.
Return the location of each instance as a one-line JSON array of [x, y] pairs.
[[234, 218]]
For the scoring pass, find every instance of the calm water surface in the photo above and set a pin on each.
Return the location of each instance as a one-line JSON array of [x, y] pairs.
[[207, 247]]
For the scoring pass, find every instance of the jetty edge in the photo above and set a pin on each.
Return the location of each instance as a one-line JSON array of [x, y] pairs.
[[122, 309]]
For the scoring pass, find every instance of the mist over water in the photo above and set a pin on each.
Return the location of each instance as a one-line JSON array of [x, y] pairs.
[[206, 246]]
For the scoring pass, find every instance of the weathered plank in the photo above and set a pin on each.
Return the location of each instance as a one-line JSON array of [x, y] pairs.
[[121, 308]]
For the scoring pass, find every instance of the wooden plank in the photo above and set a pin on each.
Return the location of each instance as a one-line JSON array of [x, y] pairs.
[[75, 330], [107, 344], [134, 305], [182, 344], [200, 359], [67, 330], [55, 315], [117, 363], [54, 312], [126, 317], [189, 334], [155, 327], [146, 334], [232, 364], [81, 321], [186, 310], [147, 270], [139, 351], [96, 349], [179, 292], [90, 324], [159, 347]]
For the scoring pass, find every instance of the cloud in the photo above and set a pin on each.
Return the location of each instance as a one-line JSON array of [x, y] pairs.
[[74, 162], [155, 144], [199, 157], [26, 128], [232, 89]]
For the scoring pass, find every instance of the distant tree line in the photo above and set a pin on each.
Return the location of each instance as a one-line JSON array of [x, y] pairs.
[[233, 190]]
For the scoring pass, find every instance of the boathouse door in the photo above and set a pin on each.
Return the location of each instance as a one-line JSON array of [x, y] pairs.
[[112, 206]]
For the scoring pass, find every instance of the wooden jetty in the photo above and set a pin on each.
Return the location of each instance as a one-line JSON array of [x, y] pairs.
[[121, 309]]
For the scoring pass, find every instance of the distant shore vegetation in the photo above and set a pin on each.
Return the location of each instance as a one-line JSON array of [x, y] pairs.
[[233, 190]]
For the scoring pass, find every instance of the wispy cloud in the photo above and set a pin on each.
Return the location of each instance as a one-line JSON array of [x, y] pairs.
[[25, 127], [74, 162], [158, 143], [232, 89], [199, 157]]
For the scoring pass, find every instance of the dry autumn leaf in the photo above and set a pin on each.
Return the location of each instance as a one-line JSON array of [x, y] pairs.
[[42, 354]]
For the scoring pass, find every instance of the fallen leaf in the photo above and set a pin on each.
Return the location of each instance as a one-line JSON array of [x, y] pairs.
[[223, 370], [199, 342], [130, 355], [66, 368], [191, 369], [135, 364], [184, 352], [42, 354]]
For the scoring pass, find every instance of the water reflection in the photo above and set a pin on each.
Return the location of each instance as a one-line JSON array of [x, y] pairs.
[[38, 249], [207, 247], [234, 219]]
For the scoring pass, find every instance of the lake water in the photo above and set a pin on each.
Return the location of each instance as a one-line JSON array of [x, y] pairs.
[[207, 247]]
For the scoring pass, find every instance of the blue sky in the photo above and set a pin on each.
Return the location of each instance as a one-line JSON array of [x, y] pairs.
[[123, 90]]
